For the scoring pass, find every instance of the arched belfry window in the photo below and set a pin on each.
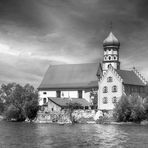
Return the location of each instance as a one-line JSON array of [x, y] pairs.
[[105, 89], [109, 79], [105, 100], [114, 88], [109, 57]]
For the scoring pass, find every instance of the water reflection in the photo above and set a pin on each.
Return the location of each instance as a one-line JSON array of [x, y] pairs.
[[24, 135], [112, 136]]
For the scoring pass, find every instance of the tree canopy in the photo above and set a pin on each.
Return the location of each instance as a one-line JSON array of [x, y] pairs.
[[19, 102], [130, 108]]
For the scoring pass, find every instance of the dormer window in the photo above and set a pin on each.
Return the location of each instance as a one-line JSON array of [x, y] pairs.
[[105, 90], [109, 79], [114, 88]]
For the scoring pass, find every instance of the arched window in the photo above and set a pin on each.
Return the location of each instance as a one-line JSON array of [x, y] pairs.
[[109, 65], [44, 100], [114, 88], [109, 57], [105, 101], [105, 90], [114, 99], [109, 79]]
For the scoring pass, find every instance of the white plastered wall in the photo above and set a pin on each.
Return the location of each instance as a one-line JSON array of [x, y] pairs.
[[116, 81], [66, 94]]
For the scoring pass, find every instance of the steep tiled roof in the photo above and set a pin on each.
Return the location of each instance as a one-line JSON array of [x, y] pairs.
[[63, 102], [70, 76], [129, 77]]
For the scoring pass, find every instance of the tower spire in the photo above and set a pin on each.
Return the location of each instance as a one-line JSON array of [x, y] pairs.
[[111, 51]]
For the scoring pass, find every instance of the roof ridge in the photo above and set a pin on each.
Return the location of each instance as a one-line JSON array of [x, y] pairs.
[[72, 64]]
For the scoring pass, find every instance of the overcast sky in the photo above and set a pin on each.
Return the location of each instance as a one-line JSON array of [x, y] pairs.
[[36, 33]]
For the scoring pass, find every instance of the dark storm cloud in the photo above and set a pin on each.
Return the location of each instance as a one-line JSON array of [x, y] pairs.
[[34, 33], [20, 12]]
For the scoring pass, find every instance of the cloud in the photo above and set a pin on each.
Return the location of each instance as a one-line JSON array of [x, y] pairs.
[[35, 33]]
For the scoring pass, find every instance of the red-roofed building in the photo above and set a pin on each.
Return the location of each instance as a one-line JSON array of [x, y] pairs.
[[80, 80]]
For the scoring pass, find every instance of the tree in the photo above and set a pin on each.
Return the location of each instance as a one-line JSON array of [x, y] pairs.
[[31, 109], [12, 113], [122, 109], [19, 99], [137, 109], [71, 106], [129, 108], [94, 98], [31, 106]]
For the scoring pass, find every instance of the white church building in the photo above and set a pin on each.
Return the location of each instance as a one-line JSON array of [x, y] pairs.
[[78, 81]]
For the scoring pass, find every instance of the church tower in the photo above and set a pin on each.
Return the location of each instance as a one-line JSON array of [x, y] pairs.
[[111, 52]]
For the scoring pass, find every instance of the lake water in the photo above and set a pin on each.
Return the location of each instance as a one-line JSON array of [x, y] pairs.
[[26, 135]]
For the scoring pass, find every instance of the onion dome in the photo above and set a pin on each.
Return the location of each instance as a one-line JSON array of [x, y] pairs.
[[111, 40]]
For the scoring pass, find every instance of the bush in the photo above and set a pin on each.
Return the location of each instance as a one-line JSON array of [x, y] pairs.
[[129, 108]]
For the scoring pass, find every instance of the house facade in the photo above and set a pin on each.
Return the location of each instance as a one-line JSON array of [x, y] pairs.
[[81, 81]]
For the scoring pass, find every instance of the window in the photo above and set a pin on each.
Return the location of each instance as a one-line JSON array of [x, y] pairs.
[[141, 89], [44, 100], [105, 101], [44, 93], [105, 90], [109, 79], [58, 94], [114, 99], [114, 88], [79, 93], [86, 107], [109, 58], [109, 65]]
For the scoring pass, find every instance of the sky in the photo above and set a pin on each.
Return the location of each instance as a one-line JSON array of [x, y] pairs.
[[37, 33]]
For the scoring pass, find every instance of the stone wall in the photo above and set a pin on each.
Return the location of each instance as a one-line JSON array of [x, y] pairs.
[[53, 117]]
